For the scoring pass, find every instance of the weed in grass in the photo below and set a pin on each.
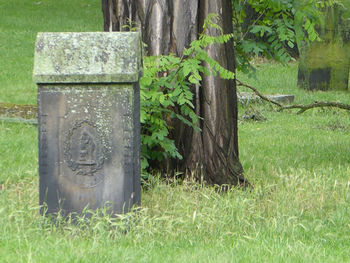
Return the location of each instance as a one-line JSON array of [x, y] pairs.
[[335, 125]]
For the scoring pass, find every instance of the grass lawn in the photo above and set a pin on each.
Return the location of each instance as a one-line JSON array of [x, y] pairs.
[[298, 211], [19, 23]]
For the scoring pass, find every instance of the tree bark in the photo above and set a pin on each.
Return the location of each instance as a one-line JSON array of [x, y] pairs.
[[169, 26]]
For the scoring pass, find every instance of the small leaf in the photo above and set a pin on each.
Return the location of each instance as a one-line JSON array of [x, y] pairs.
[[146, 81]]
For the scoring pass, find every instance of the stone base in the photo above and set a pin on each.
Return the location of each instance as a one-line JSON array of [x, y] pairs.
[[248, 96]]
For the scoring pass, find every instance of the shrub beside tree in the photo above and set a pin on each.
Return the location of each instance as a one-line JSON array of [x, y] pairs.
[[189, 102]]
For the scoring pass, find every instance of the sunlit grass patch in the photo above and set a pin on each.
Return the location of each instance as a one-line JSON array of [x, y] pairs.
[[19, 23]]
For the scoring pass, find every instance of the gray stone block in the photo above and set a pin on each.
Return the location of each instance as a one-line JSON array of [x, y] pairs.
[[251, 97], [89, 120]]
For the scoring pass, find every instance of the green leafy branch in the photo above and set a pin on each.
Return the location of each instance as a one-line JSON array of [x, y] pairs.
[[278, 27], [166, 92]]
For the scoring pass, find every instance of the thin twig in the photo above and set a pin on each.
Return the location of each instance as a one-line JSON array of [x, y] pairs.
[[253, 24]]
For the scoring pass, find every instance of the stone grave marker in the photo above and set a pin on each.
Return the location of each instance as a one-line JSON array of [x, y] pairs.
[[89, 128], [325, 65]]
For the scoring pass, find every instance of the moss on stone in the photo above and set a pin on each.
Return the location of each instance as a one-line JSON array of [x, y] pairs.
[[97, 57]]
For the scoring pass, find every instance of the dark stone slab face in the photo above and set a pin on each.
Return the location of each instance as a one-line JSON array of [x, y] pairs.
[[89, 141]]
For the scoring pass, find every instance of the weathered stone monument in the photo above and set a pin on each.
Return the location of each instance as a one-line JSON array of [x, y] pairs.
[[89, 128], [324, 65]]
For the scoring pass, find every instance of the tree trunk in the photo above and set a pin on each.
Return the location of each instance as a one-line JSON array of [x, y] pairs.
[[169, 26]]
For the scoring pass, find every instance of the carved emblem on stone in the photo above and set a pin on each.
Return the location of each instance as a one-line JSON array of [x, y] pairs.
[[83, 149]]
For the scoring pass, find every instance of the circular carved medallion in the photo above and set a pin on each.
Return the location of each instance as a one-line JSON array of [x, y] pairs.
[[84, 152]]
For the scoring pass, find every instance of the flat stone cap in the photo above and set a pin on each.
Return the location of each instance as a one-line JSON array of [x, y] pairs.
[[91, 57]]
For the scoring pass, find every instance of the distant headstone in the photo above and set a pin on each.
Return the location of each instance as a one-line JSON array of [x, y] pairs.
[[89, 128], [324, 65]]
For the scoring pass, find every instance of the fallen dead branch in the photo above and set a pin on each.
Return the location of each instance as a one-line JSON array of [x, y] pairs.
[[302, 108], [317, 104], [263, 97]]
